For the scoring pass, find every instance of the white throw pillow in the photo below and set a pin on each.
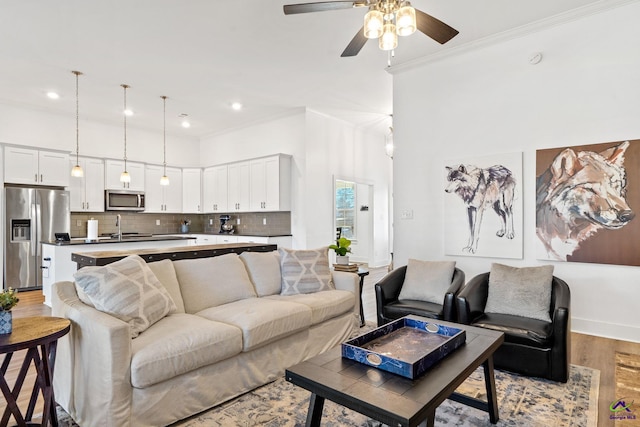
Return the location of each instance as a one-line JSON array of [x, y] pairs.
[[264, 271], [427, 280], [305, 271], [126, 289], [210, 282], [522, 291]]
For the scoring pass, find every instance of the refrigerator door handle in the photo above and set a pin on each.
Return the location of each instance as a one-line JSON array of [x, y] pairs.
[[33, 236], [36, 245]]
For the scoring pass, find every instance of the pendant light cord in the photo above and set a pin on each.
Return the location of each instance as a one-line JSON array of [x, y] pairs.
[[77, 73], [125, 126], [164, 134]]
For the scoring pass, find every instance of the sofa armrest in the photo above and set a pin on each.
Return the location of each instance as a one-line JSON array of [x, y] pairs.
[[473, 298], [92, 380], [346, 281]]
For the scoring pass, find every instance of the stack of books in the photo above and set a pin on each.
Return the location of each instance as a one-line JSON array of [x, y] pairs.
[[351, 268]]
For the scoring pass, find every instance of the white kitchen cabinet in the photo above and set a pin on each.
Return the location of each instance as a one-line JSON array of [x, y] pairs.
[[226, 238], [36, 167], [191, 190], [238, 186], [86, 193], [270, 188], [163, 198], [214, 189], [113, 169]]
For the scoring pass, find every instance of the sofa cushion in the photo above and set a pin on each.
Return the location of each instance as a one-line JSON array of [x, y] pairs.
[[522, 291], [180, 343], [126, 289], [261, 320], [305, 271], [209, 282], [264, 271], [166, 274], [324, 305], [427, 280]]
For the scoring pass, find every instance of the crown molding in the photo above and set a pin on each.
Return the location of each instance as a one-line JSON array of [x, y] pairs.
[[514, 33]]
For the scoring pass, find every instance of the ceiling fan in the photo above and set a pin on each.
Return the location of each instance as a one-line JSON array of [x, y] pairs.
[[385, 20]]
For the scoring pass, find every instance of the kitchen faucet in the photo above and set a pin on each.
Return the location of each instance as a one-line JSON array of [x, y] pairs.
[[118, 222]]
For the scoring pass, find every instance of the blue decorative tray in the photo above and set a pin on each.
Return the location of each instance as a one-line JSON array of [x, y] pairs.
[[408, 346]]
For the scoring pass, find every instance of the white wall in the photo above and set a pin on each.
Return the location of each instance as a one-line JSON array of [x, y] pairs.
[[491, 100], [22, 126]]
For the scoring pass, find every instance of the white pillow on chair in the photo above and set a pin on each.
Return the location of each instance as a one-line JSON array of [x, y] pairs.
[[427, 280]]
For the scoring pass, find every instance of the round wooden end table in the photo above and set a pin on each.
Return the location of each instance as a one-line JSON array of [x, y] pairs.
[[39, 336]]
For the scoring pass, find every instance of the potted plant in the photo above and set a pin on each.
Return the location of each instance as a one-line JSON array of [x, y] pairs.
[[342, 247], [8, 300]]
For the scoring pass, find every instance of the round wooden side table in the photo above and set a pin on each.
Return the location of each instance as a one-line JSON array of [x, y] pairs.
[[39, 336]]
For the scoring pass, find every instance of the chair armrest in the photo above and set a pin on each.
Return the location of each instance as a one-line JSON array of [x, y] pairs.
[[449, 304], [388, 289], [93, 361], [561, 320], [473, 298]]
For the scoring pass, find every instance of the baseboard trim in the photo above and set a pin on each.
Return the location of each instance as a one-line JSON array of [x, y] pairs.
[[605, 330]]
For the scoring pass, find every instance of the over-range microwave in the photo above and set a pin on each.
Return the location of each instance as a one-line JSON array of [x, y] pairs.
[[124, 200]]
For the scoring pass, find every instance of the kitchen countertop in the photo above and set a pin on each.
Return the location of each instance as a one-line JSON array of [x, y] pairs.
[[259, 234], [126, 239]]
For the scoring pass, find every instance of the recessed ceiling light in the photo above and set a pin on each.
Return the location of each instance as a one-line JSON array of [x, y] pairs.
[[53, 95], [184, 121], [236, 106]]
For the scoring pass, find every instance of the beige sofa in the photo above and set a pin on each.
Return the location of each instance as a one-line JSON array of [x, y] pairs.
[[230, 331]]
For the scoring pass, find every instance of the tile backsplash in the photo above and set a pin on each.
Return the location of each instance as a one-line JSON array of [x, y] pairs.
[[259, 223]]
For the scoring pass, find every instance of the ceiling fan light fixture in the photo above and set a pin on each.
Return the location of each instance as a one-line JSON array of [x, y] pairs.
[[389, 38], [406, 20], [373, 23]]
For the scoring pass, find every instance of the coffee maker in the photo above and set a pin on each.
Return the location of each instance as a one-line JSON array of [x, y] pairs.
[[225, 226]]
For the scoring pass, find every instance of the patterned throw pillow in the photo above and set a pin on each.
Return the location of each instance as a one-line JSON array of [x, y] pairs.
[[305, 271], [126, 289]]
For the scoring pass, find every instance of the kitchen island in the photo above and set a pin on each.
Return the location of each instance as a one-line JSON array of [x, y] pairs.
[[58, 266]]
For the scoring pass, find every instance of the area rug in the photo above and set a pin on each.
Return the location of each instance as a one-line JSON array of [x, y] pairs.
[[626, 408]]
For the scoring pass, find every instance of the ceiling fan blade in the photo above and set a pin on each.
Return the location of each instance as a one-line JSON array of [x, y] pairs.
[[434, 28], [356, 43], [290, 9]]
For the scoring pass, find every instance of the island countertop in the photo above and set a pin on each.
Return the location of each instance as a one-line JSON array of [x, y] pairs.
[[99, 258], [125, 239]]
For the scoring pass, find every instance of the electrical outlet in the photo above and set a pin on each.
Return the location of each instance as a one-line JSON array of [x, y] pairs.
[[157, 222], [406, 214], [210, 221], [238, 221], [79, 223], [264, 221]]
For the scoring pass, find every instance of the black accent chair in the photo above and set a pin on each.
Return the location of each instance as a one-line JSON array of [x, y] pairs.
[[531, 347], [390, 308]]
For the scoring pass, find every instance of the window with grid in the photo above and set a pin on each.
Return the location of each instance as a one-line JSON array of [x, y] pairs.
[[346, 208]]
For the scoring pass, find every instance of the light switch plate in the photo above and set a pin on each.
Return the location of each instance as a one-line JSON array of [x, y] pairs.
[[406, 214]]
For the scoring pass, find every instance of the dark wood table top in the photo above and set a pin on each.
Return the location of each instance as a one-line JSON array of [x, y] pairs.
[[33, 331], [387, 397]]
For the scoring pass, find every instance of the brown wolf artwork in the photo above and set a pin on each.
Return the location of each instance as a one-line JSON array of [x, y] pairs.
[[583, 190], [480, 189]]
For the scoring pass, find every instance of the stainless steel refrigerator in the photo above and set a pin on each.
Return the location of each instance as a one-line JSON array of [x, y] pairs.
[[32, 215]]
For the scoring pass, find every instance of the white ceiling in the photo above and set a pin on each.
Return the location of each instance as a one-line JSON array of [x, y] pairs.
[[205, 54]]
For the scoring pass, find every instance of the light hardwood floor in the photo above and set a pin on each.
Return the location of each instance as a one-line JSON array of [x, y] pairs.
[[586, 350]]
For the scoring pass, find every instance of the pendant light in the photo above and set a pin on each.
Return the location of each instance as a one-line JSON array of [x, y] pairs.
[[124, 176], [77, 169], [165, 179]]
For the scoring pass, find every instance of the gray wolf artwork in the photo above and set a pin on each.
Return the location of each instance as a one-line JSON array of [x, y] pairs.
[[480, 189], [580, 193]]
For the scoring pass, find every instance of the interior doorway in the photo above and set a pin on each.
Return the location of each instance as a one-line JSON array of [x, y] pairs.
[[354, 210]]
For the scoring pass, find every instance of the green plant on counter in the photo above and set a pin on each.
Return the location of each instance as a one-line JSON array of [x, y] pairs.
[[8, 299], [342, 247]]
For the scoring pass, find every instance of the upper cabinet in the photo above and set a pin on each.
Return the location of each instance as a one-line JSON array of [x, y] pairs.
[[214, 189], [192, 190], [163, 198], [87, 192], [36, 167], [113, 169], [270, 188], [238, 184]]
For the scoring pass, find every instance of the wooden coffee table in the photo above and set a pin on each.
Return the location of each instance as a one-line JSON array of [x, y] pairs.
[[393, 399]]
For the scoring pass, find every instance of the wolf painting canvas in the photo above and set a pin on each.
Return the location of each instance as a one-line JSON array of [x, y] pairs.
[[586, 198], [483, 206]]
